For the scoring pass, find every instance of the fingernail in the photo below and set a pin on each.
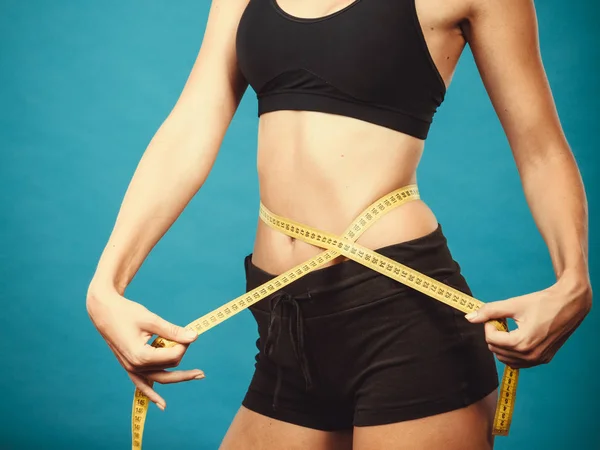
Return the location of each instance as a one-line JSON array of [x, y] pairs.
[[160, 406], [199, 376], [190, 334], [471, 315]]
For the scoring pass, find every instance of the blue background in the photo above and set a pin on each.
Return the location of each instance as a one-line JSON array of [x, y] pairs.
[[83, 86]]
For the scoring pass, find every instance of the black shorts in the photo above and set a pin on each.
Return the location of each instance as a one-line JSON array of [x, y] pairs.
[[345, 346]]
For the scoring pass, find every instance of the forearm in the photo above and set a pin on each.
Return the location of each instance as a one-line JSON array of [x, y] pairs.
[[556, 197], [172, 169]]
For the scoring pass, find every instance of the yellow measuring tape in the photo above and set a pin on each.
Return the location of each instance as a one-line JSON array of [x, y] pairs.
[[337, 246]]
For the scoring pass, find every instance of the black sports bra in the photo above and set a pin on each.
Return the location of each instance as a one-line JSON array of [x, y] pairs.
[[368, 60]]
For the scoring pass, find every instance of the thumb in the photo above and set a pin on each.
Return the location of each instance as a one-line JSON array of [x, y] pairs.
[[170, 331], [494, 310]]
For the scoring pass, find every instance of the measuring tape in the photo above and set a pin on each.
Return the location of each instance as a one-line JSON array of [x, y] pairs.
[[337, 246]]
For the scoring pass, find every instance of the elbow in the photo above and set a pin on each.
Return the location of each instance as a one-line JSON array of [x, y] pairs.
[[552, 159]]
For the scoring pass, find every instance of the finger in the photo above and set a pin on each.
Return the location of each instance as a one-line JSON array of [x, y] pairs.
[[167, 330], [177, 376], [146, 388], [493, 310], [144, 370], [511, 362], [498, 351], [141, 367], [158, 358], [503, 339]]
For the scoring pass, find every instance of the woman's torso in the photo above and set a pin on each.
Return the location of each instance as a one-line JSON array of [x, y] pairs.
[[323, 169]]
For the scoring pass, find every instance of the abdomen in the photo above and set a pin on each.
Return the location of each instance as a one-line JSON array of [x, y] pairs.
[[323, 170]]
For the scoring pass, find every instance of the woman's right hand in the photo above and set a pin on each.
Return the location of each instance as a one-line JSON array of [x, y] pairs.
[[127, 327]]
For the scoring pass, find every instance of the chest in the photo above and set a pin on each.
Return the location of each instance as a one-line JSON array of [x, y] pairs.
[[313, 9], [359, 44]]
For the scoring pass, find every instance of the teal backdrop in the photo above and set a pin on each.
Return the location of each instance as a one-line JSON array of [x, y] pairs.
[[83, 86]]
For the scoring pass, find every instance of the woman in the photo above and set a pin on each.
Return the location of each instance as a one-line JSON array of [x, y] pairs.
[[347, 90]]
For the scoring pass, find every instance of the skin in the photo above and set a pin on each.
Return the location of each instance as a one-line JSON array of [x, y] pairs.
[[291, 153]]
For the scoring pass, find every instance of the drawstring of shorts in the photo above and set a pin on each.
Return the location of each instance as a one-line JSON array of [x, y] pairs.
[[296, 330]]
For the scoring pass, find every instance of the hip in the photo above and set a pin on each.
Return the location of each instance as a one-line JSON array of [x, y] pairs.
[[350, 309], [365, 346]]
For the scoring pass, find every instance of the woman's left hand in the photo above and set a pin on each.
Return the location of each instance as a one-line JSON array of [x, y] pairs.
[[545, 320]]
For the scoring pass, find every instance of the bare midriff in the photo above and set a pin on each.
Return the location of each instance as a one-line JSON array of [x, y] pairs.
[[323, 170]]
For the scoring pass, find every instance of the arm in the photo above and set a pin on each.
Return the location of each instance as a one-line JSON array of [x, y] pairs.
[[504, 39], [180, 154], [172, 169]]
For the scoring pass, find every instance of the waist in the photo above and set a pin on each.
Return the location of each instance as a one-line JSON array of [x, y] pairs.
[[320, 289], [275, 252]]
